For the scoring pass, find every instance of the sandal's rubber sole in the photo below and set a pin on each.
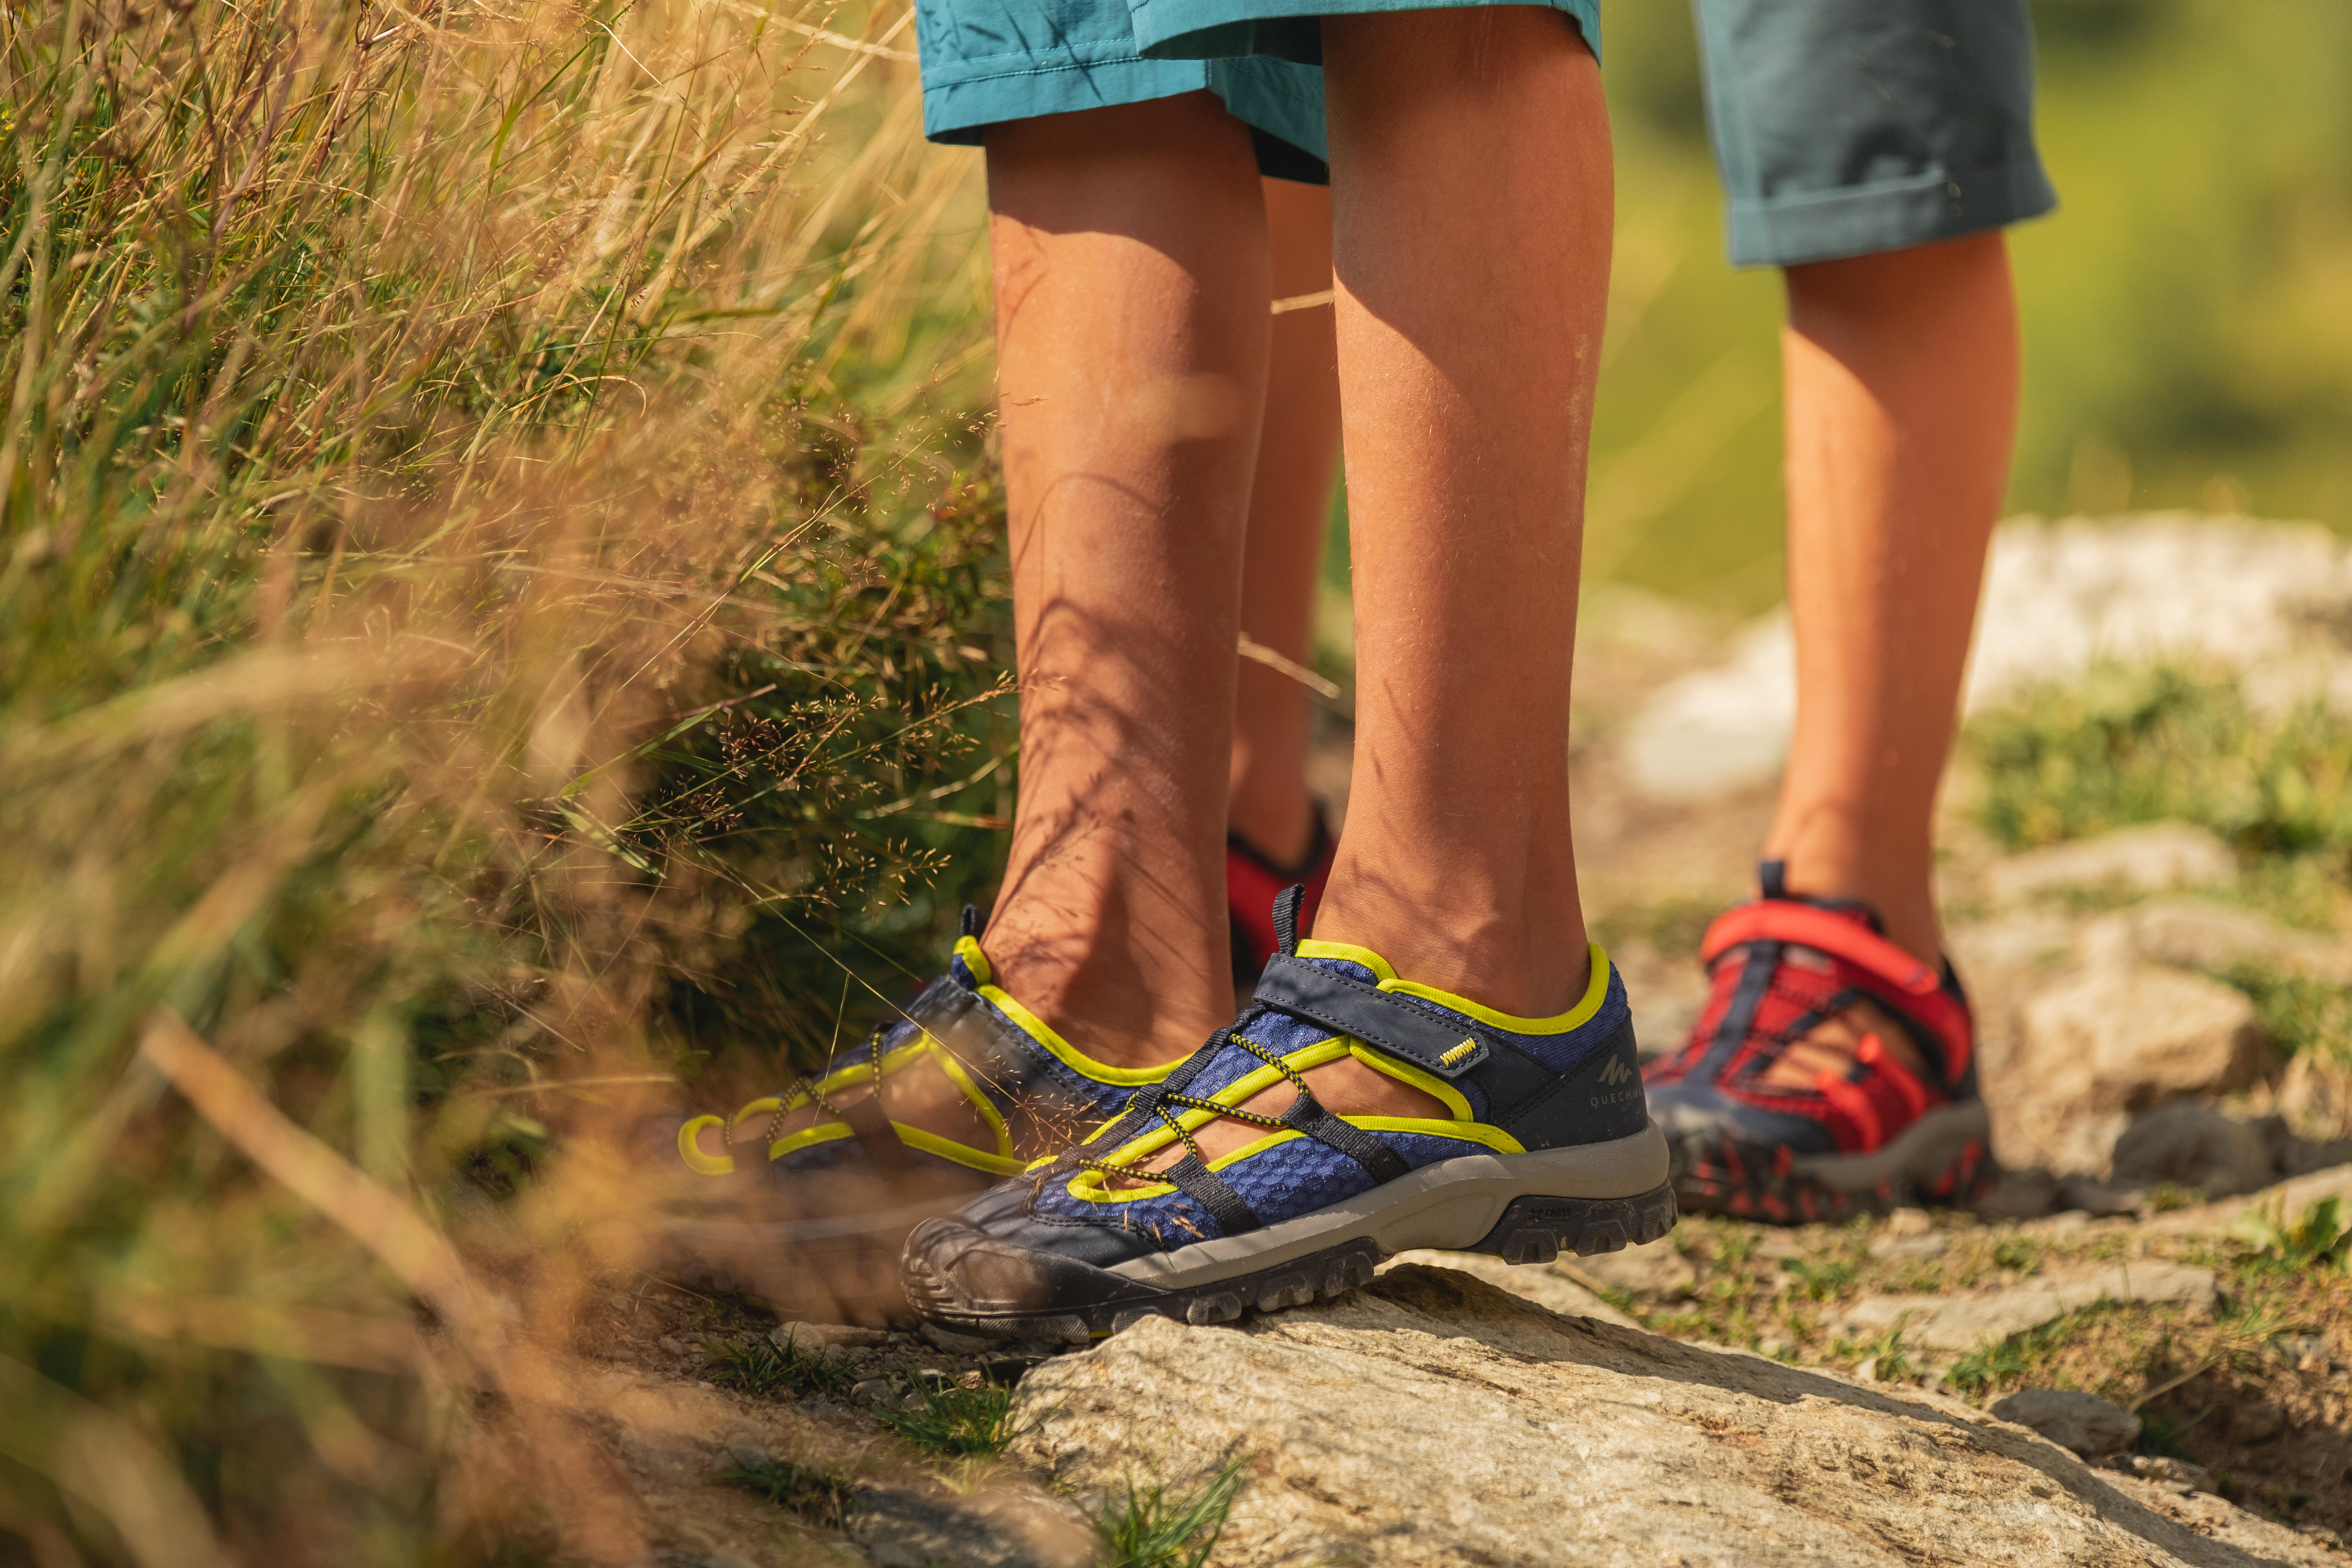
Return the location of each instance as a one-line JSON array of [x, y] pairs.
[[1532, 1227], [1941, 1160]]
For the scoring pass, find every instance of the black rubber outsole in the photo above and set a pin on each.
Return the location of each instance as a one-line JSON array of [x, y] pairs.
[[1531, 1230], [1715, 1174]]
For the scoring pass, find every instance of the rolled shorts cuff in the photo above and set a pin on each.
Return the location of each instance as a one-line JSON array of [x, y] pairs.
[[1200, 29], [1281, 103], [1889, 215]]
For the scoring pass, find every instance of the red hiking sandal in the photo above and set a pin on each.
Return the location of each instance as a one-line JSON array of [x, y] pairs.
[[1874, 1137]]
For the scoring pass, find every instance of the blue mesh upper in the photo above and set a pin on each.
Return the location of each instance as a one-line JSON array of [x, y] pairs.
[[1290, 1179], [1301, 1175]]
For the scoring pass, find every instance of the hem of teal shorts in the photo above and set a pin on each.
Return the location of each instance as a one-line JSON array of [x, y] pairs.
[[1206, 29], [962, 101], [1891, 215]]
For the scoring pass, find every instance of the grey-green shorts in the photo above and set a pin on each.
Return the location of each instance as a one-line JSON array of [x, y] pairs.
[[1847, 126], [986, 62]]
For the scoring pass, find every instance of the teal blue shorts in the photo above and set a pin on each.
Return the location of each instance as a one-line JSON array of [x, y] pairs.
[[1840, 127], [988, 62]]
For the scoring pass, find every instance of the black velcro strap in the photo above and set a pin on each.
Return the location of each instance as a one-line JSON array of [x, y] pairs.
[[875, 1133], [1385, 1163], [1372, 1016], [1205, 1187]]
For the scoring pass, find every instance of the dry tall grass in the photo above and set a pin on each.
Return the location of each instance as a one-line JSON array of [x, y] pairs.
[[495, 586]]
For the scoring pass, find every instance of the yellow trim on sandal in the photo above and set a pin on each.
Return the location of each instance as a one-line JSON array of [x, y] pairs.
[[984, 973], [1071, 1056], [867, 1074], [690, 1148], [1089, 1186], [1348, 952], [988, 1115], [1429, 1083], [1492, 1136], [961, 1153], [1595, 992], [1233, 1094], [809, 1138]]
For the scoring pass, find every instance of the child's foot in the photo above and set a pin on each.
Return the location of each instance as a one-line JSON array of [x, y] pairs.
[[1231, 1184], [1252, 882], [804, 1197], [1831, 1072]]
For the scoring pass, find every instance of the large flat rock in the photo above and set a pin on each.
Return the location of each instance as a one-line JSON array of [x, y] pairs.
[[1431, 1419]]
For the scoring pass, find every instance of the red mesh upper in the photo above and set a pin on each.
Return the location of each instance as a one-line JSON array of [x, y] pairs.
[[1830, 952]]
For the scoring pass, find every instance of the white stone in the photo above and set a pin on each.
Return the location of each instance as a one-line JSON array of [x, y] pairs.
[[2218, 592], [2197, 934], [2149, 857], [1718, 729], [1973, 1321]]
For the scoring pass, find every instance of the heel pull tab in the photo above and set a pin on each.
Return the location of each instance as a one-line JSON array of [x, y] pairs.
[[1772, 877], [1285, 918], [970, 922]]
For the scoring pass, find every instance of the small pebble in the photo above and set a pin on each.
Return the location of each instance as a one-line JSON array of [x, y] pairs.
[[871, 1390], [672, 1344], [620, 1299]]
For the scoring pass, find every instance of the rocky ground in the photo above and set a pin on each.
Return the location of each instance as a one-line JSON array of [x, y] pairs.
[[2137, 1350]]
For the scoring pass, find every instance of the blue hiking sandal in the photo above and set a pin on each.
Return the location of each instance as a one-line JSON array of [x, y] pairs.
[[813, 1220], [1549, 1148]]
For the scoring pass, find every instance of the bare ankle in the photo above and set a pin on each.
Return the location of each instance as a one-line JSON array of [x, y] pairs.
[[1122, 1007], [1522, 965]]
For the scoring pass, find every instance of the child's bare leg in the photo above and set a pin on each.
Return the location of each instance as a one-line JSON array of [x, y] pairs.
[[1467, 376], [1472, 207], [1902, 373], [1131, 285], [1297, 458], [1132, 289]]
